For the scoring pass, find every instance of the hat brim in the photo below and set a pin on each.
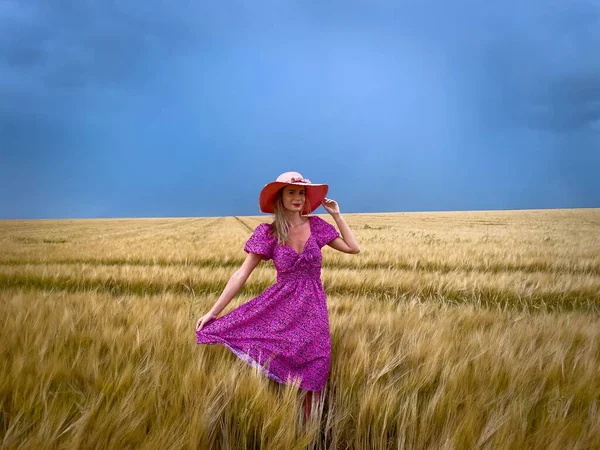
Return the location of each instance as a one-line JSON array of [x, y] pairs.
[[315, 194]]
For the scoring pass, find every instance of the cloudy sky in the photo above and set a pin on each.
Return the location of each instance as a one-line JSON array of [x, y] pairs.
[[181, 108]]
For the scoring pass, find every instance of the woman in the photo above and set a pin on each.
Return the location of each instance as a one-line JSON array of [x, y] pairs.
[[285, 330]]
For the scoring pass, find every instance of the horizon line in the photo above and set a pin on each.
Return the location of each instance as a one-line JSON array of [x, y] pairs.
[[314, 213]]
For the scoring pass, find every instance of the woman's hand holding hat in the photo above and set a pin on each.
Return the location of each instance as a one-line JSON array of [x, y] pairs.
[[330, 206]]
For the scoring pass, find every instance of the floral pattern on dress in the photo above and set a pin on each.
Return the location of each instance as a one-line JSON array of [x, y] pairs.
[[285, 330]]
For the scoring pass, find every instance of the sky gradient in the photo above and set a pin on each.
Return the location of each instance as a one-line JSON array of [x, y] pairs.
[[181, 108]]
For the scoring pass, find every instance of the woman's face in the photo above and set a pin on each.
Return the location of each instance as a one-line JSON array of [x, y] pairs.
[[293, 197]]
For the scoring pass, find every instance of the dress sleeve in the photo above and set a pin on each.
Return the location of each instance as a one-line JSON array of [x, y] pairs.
[[261, 242], [325, 232]]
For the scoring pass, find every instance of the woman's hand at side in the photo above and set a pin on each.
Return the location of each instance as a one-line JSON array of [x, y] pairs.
[[204, 320], [235, 283]]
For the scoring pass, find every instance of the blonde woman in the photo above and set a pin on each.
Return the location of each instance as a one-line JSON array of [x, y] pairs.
[[284, 331]]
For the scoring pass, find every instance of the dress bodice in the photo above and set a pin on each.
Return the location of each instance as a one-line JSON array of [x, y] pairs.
[[291, 265]]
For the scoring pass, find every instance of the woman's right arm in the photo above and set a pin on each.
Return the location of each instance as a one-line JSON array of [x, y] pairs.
[[235, 283]]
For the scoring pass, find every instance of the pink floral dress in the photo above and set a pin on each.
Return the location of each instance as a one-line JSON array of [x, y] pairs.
[[284, 331]]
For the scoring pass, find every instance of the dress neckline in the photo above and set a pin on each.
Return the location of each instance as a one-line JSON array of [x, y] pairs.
[[306, 243]]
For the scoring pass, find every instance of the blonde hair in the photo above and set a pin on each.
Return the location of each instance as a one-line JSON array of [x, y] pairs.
[[280, 226]]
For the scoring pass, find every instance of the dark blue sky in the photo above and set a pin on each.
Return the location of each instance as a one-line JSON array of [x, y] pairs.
[[181, 108]]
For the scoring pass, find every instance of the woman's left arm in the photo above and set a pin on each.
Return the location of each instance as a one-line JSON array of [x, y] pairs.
[[348, 244]]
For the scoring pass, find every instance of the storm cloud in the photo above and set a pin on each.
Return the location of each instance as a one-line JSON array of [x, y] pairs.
[[144, 109]]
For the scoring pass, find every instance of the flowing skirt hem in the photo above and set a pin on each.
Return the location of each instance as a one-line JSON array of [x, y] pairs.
[[263, 369]]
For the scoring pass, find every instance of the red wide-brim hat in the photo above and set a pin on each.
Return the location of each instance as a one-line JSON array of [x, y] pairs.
[[315, 193]]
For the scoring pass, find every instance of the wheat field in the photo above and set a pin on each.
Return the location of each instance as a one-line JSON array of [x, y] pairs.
[[450, 330]]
